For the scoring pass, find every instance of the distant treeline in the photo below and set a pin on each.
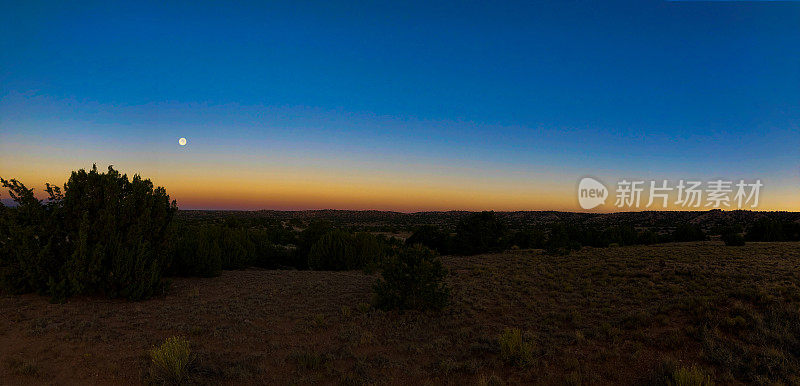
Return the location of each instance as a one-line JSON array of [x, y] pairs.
[[395, 222], [485, 232], [767, 229], [203, 249]]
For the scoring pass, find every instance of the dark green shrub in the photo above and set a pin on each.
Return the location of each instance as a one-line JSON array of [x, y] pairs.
[[238, 248], [412, 279], [621, 235], [369, 252], [26, 230], [308, 237], [272, 255], [647, 237], [431, 237], [688, 232], [480, 233], [533, 238], [733, 239], [196, 251], [592, 236], [105, 234], [339, 250], [206, 249], [562, 240], [334, 251]]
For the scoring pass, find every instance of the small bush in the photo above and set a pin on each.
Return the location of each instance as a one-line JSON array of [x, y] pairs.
[[21, 367], [692, 376], [733, 239], [171, 361], [413, 279], [490, 380], [311, 360], [670, 373], [514, 349]]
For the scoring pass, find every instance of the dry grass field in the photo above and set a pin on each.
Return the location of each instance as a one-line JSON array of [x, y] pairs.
[[630, 315]]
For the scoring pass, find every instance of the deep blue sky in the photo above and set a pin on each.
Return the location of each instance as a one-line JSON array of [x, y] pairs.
[[595, 87]]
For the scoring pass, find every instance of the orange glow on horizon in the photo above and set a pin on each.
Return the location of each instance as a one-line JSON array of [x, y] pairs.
[[250, 190]]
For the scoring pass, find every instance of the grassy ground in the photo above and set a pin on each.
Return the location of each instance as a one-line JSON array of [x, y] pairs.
[[632, 315]]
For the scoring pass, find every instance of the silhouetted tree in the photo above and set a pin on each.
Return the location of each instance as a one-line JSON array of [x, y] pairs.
[[335, 251], [309, 236], [479, 233], [562, 239], [732, 235], [431, 237], [104, 234], [688, 232]]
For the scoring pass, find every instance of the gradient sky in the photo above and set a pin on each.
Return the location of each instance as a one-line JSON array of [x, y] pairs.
[[405, 105]]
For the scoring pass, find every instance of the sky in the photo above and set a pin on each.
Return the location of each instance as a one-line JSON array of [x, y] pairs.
[[405, 106]]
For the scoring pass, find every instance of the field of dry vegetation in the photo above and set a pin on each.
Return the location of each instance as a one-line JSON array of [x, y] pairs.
[[631, 315]]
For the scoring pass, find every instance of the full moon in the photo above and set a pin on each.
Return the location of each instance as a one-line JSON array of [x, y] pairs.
[[182, 141]]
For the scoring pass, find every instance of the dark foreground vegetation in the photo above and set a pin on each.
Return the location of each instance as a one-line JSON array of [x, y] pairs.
[[681, 298], [106, 234], [620, 315], [102, 234]]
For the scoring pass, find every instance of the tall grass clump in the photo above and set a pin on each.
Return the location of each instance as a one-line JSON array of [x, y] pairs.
[[514, 349], [171, 360], [670, 373], [691, 376]]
